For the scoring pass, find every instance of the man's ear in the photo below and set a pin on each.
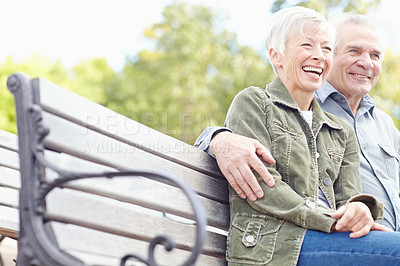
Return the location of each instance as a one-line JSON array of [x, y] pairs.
[[275, 57]]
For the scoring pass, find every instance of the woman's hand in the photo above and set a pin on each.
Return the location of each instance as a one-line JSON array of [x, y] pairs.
[[354, 217]]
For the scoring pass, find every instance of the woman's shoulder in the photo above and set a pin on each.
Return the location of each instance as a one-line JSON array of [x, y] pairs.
[[252, 93], [251, 97]]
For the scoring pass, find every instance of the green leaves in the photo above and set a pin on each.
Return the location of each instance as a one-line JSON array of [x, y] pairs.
[[189, 80]]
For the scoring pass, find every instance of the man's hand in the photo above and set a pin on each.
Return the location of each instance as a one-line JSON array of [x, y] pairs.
[[236, 156], [356, 217]]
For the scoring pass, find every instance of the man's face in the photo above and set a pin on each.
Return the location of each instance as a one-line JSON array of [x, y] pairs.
[[357, 61]]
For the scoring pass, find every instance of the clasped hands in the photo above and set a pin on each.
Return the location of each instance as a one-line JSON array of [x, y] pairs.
[[355, 217]]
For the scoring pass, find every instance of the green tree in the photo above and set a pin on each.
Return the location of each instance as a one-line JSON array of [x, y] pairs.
[[34, 66], [188, 81], [90, 78], [94, 79]]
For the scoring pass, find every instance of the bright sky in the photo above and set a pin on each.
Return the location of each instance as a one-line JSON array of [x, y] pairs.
[[73, 30]]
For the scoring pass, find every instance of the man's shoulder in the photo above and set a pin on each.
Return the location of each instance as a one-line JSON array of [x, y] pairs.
[[380, 115]]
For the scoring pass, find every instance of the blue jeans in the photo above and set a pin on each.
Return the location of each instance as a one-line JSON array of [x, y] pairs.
[[376, 248]]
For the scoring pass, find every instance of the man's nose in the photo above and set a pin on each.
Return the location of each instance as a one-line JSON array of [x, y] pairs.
[[365, 61]]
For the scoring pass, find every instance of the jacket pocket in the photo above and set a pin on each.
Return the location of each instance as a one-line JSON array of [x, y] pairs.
[[251, 239]]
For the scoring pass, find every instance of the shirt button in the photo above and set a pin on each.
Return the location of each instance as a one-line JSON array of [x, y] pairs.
[[250, 239], [317, 155], [327, 181]]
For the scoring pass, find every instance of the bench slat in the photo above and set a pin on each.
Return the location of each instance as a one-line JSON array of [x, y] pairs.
[[9, 197], [9, 158], [8, 140], [102, 248], [58, 100], [10, 178], [9, 220], [113, 217], [80, 142]]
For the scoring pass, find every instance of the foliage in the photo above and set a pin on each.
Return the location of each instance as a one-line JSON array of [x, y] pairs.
[[33, 66], [189, 80], [89, 79]]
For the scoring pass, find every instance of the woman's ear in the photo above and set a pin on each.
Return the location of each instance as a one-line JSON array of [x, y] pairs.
[[275, 57]]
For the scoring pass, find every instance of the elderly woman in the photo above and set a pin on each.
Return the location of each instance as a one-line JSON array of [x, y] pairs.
[[316, 171]]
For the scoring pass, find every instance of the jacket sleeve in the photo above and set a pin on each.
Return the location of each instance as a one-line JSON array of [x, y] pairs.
[[246, 116]]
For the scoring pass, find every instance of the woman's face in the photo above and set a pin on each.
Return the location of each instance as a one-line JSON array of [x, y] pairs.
[[307, 60]]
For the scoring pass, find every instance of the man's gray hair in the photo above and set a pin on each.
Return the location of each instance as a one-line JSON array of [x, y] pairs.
[[356, 19], [290, 21]]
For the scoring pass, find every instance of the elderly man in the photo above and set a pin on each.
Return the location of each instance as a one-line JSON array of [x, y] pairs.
[[355, 71]]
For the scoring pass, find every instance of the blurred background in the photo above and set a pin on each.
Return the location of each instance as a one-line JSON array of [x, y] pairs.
[[172, 65]]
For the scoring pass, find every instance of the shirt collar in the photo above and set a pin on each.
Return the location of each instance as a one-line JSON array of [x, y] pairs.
[[327, 90]]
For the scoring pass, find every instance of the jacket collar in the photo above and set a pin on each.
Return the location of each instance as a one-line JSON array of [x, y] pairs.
[[278, 94]]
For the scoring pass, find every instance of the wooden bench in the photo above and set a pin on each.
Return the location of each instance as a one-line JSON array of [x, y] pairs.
[[97, 186]]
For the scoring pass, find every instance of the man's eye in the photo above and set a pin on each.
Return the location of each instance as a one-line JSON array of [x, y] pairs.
[[306, 44], [327, 48], [376, 56]]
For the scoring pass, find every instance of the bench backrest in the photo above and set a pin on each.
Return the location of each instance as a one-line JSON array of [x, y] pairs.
[[98, 220], [9, 184]]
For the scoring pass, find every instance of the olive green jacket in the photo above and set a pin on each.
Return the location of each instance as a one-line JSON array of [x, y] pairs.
[[270, 231]]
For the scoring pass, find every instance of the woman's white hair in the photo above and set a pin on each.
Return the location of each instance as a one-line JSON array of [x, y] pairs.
[[356, 19], [290, 21]]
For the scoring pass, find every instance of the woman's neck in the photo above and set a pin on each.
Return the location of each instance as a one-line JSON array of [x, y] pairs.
[[302, 98]]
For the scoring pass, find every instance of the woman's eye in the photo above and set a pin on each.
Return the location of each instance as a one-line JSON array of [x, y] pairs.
[[327, 48], [306, 44]]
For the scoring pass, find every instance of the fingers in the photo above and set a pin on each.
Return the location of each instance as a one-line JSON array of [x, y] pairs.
[[239, 175], [355, 217], [231, 180], [362, 232], [338, 213], [236, 157], [251, 181], [264, 153], [380, 227], [261, 169]]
